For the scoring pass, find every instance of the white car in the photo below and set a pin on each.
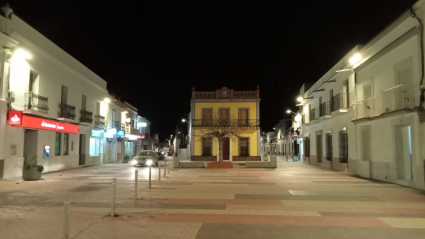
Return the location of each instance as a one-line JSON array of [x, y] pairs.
[[143, 156]]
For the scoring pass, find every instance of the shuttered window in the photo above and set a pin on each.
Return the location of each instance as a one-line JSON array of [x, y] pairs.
[[328, 139], [244, 147], [207, 116], [243, 117], [343, 147]]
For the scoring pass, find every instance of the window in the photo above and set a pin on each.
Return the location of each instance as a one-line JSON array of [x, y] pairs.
[[367, 91], [94, 146], [33, 83], [83, 102], [328, 138], [307, 147], [366, 140], [224, 117], [65, 144], [243, 117], [244, 147], [64, 97], [58, 144], [343, 147], [224, 94], [207, 116], [206, 146]]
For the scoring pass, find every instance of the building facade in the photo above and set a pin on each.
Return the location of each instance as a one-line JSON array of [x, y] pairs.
[[365, 116], [239, 109]]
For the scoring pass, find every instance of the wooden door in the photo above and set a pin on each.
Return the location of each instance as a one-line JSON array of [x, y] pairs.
[[226, 149], [319, 148]]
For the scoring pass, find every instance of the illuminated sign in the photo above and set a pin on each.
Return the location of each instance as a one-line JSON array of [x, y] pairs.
[[15, 117], [143, 124], [40, 123], [121, 133], [97, 133], [140, 136]]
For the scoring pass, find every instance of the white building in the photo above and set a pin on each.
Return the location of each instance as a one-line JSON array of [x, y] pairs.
[[365, 116], [55, 99]]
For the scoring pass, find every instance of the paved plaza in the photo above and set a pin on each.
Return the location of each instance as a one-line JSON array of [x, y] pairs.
[[293, 201]]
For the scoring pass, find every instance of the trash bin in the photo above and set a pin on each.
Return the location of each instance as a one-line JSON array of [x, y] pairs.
[[295, 158]]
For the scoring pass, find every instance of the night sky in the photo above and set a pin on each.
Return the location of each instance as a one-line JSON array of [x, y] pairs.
[[152, 55]]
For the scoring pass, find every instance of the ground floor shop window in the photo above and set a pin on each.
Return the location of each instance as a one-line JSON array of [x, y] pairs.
[[94, 146], [129, 148], [206, 147], [58, 144], [65, 144], [244, 147]]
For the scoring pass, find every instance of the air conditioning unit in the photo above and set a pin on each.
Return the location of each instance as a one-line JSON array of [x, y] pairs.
[[11, 97]]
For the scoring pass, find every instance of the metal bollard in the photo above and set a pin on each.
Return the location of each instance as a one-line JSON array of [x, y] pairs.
[[66, 205], [159, 174], [165, 169], [136, 177], [150, 184], [169, 166], [114, 192]]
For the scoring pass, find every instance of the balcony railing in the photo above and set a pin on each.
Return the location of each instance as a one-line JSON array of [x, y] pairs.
[[325, 108], [37, 102], [99, 120], [365, 108], [245, 94], [314, 114], [86, 116], [341, 101], [400, 97], [240, 123], [66, 111]]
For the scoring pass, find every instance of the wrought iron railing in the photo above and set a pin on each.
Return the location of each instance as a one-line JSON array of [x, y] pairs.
[[243, 123], [86, 116], [66, 111], [365, 108], [340, 101], [325, 108], [37, 102], [400, 97], [314, 114], [99, 120]]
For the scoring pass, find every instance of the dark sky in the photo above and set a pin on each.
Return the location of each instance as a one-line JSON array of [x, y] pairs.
[[152, 55]]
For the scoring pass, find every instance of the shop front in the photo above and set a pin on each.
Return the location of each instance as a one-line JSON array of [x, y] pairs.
[[54, 143]]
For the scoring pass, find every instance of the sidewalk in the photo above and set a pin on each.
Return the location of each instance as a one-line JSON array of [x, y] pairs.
[[293, 201]]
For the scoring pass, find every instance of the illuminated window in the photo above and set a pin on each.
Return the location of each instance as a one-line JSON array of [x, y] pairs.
[[94, 146]]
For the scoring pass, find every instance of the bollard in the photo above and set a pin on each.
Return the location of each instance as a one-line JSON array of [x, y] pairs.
[[165, 169], [136, 176], [66, 205], [150, 184], [169, 166], [159, 174], [114, 192]]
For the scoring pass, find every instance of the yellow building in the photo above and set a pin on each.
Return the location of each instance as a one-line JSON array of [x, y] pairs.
[[238, 109]]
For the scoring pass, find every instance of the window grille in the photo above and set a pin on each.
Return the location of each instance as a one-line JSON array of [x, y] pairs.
[[328, 138], [343, 147]]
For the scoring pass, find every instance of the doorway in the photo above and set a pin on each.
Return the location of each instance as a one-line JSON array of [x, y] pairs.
[[226, 148], [82, 149], [319, 148], [403, 150]]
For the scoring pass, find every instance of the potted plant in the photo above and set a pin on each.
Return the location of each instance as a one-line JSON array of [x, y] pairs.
[[32, 171], [126, 159]]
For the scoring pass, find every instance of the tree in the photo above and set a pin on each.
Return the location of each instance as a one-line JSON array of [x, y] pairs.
[[219, 127]]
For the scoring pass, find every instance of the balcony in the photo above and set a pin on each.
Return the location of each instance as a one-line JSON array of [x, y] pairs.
[[232, 123], [205, 95], [245, 94], [99, 120], [400, 97], [37, 102], [66, 111], [325, 109], [86, 116], [365, 108], [314, 114], [341, 102]]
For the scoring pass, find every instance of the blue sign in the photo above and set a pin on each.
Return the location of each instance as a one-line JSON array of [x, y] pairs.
[[97, 133], [121, 133]]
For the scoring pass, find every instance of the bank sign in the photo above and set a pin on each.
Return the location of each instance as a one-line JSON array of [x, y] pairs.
[[16, 118]]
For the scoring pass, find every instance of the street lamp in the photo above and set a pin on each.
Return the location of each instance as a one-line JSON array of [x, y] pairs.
[[300, 99], [183, 120], [289, 111], [355, 59]]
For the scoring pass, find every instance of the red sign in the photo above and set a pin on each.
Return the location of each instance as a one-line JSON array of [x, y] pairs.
[[140, 136], [39, 123], [14, 117]]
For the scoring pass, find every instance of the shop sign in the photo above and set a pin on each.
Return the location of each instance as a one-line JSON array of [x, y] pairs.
[[15, 117], [140, 136], [121, 133], [18, 119]]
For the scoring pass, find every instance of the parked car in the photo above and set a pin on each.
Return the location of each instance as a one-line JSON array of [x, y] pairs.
[[143, 156], [161, 155]]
